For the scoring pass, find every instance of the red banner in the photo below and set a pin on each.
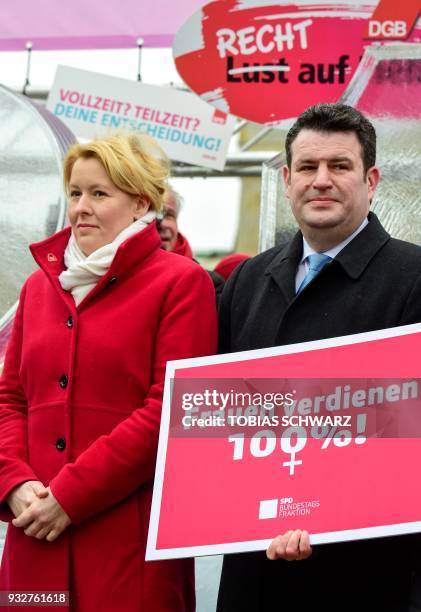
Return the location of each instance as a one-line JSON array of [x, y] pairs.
[[267, 62]]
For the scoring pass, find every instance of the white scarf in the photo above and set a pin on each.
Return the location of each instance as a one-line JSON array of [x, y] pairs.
[[83, 272]]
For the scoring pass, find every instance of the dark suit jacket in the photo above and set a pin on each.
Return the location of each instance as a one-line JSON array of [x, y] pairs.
[[373, 283]]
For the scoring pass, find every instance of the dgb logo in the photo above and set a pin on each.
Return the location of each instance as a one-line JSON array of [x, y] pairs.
[[387, 29]]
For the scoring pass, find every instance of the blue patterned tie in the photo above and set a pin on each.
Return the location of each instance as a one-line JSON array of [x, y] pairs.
[[316, 262]]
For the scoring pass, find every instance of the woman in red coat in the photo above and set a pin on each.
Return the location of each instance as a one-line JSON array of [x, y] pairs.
[[81, 391]]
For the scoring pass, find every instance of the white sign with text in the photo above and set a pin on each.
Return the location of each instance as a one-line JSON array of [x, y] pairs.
[[188, 129]]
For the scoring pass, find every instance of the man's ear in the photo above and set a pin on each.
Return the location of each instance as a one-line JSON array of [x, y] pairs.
[[286, 176], [373, 178]]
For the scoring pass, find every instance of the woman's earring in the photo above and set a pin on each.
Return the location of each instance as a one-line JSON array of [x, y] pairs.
[[134, 219]]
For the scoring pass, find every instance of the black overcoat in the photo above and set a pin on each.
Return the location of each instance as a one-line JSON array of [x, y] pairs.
[[373, 283]]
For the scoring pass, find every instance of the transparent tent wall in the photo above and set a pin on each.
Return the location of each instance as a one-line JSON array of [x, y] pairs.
[[32, 204], [387, 89]]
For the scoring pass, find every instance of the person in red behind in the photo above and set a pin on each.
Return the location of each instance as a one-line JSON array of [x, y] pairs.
[[228, 264], [172, 240], [81, 391]]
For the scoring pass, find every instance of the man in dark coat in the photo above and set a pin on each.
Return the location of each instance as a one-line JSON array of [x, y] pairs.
[[341, 274]]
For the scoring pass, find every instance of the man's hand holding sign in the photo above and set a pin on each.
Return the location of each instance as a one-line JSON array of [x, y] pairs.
[[292, 546]]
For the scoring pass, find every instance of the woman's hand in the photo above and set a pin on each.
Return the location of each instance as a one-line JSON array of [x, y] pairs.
[[44, 518], [23, 495], [292, 546]]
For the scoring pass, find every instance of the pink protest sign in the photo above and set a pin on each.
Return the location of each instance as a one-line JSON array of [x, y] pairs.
[[323, 436], [268, 61]]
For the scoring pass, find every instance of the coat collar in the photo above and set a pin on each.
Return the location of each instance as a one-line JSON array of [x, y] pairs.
[[354, 258], [182, 246], [49, 255]]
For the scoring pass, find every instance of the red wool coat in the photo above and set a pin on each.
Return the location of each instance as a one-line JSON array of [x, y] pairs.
[[80, 404]]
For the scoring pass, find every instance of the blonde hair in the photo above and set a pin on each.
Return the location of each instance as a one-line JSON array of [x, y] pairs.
[[135, 163]]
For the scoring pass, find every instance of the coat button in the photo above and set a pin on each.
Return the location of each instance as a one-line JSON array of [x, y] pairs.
[[112, 280], [63, 381], [69, 321], [60, 444]]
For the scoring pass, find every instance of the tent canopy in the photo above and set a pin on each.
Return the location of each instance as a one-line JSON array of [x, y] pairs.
[[49, 24]]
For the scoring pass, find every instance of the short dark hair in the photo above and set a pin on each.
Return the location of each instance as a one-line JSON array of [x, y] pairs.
[[336, 118]]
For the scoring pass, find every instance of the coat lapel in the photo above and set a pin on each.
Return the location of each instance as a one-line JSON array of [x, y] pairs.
[[49, 255], [284, 268]]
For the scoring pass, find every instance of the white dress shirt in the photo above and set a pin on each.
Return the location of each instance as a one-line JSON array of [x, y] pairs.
[[303, 266]]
